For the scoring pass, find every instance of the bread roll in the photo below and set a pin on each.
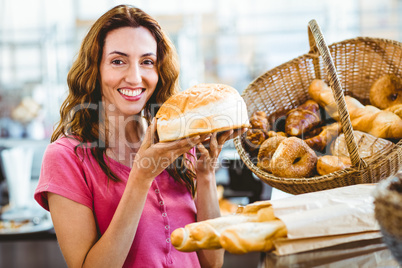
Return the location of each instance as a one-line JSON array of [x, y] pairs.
[[369, 119], [396, 109], [327, 164], [201, 109]]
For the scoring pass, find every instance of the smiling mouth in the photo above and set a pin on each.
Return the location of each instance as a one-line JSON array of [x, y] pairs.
[[130, 93]]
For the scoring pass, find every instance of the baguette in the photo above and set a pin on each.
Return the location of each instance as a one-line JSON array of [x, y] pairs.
[[369, 119], [252, 236], [205, 234]]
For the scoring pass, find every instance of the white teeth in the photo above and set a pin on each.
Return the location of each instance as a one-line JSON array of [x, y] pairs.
[[130, 93]]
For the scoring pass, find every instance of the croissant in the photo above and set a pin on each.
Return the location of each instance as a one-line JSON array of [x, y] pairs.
[[303, 118], [328, 133], [259, 120]]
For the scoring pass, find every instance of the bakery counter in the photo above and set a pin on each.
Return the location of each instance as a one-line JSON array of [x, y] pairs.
[[33, 250], [366, 253]]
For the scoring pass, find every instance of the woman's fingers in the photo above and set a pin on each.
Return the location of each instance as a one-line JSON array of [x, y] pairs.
[[214, 145], [223, 137], [154, 133], [149, 134], [201, 148], [179, 147]]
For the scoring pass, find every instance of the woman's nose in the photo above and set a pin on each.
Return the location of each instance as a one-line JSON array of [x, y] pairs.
[[133, 74]]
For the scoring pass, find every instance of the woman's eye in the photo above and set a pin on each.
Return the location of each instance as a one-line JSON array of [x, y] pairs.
[[117, 62], [148, 62]]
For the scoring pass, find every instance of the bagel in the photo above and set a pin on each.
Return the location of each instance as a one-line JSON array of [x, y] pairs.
[[386, 91], [267, 150], [293, 159]]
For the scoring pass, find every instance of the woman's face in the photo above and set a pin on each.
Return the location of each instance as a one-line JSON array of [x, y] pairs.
[[128, 70]]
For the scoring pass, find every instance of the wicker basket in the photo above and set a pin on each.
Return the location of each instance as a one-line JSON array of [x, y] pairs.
[[350, 67], [388, 212]]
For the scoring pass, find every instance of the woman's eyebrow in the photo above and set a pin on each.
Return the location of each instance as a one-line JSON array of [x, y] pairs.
[[149, 54], [119, 53], [126, 55]]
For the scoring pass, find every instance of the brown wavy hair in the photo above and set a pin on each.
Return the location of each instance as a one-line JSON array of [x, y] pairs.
[[79, 113]]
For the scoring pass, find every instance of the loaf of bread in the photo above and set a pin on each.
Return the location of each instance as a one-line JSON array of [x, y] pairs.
[[201, 109], [369, 119], [206, 234], [303, 118]]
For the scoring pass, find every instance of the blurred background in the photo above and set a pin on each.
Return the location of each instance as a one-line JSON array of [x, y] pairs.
[[225, 41]]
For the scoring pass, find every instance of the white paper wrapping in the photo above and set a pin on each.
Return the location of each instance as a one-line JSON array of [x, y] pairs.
[[326, 218]]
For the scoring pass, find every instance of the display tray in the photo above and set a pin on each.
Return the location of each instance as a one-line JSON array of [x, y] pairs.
[[24, 222]]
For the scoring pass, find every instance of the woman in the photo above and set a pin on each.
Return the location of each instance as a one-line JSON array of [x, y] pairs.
[[114, 193]]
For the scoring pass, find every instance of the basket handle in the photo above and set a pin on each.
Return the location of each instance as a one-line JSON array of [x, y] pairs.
[[316, 38]]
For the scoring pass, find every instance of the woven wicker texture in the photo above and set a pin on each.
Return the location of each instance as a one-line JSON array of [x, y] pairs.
[[350, 67], [388, 212]]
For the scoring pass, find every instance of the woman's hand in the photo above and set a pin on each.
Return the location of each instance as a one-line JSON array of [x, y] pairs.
[[208, 161], [153, 157]]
